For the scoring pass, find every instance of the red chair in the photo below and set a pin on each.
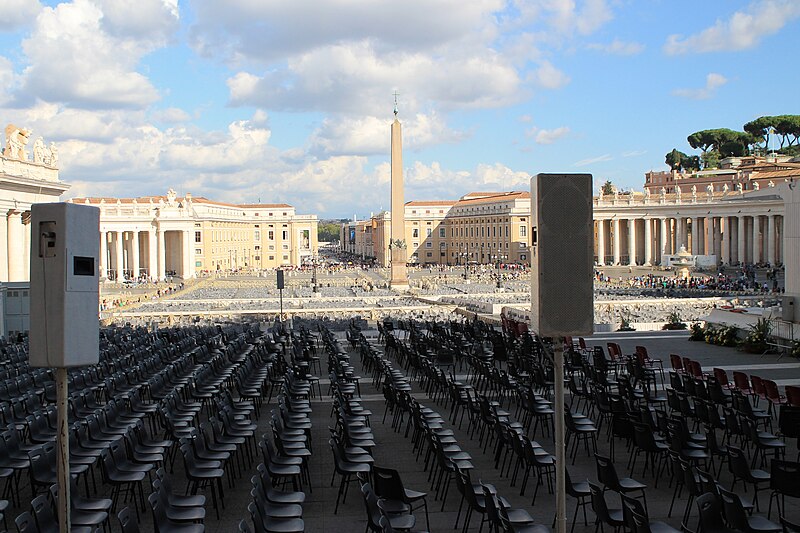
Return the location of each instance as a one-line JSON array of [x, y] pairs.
[[742, 383], [773, 394], [676, 362], [722, 378], [687, 364], [793, 395], [759, 392], [695, 370]]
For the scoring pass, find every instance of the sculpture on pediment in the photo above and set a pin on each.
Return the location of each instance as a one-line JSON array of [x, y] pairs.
[[725, 189], [53, 156], [171, 196], [678, 192], [646, 194], [710, 190], [739, 188], [694, 191], [771, 184], [38, 151], [663, 192], [756, 186], [16, 140]]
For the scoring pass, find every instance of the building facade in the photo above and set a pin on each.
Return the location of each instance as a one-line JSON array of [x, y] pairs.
[[151, 238], [25, 179], [479, 228]]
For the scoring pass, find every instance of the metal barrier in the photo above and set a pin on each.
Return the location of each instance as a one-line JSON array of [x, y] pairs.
[[781, 336]]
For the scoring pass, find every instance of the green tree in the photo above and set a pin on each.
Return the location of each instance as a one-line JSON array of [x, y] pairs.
[[328, 231], [675, 159], [785, 127], [608, 187]]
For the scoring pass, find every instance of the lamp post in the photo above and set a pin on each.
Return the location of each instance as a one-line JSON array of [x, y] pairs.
[[314, 273], [499, 257]]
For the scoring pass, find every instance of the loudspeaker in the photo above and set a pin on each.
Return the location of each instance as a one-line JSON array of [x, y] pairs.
[[280, 279], [562, 258]]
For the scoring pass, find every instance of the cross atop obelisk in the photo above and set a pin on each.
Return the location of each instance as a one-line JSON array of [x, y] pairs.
[[397, 244]]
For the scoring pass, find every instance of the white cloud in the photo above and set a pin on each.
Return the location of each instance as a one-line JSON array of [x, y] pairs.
[[432, 182], [140, 19], [74, 59], [271, 30], [172, 115], [743, 30], [593, 160], [548, 76], [550, 136], [17, 13], [569, 16], [713, 82], [357, 78], [618, 47]]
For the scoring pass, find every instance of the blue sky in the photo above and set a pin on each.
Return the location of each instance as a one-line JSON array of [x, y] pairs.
[[277, 101]]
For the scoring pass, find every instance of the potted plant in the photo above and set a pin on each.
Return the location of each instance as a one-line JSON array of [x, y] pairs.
[[756, 340], [674, 322]]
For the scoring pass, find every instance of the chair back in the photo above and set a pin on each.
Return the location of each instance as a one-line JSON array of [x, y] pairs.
[[128, 521], [784, 477], [735, 515]]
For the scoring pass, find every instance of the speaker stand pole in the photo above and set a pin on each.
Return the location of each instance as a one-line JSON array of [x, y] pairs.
[[561, 464]]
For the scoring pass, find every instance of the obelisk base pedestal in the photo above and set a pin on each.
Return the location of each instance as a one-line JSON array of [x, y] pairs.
[[399, 279]]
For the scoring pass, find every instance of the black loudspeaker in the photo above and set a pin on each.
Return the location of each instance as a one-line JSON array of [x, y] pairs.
[[280, 279], [562, 258]]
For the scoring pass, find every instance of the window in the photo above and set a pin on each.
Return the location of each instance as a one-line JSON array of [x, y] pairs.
[[285, 246], [271, 235], [442, 233], [285, 257], [258, 258], [429, 254], [428, 244], [272, 257], [416, 245], [415, 233], [429, 232], [523, 257], [198, 251], [198, 236], [257, 235], [285, 235], [523, 231], [258, 247]]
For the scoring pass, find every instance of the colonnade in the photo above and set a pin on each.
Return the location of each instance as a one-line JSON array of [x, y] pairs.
[[15, 239], [733, 239], [146, 255]]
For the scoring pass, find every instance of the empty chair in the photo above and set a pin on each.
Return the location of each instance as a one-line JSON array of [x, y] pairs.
[[607, 475], [738, 518]]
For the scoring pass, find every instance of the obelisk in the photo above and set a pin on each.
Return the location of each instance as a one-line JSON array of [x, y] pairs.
[[397, 244]]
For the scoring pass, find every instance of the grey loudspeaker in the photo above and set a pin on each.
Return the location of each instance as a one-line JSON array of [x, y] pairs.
[[562, 296], [280, 281]]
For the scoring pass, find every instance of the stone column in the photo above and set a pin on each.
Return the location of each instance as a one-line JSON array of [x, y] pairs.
[[648, 241], [192, 266], [741, 241], [162, 255], [185, 266], [664, 240], [4, 248], [754, 245], [152, 254], [103, 254], [615, 229], [135, 253], [601, 242], [15, 244], [683, 233], [726, 239], [120, 255], [631, 242], [26, 246], [697, 237], [709, 237], [770, 244]]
